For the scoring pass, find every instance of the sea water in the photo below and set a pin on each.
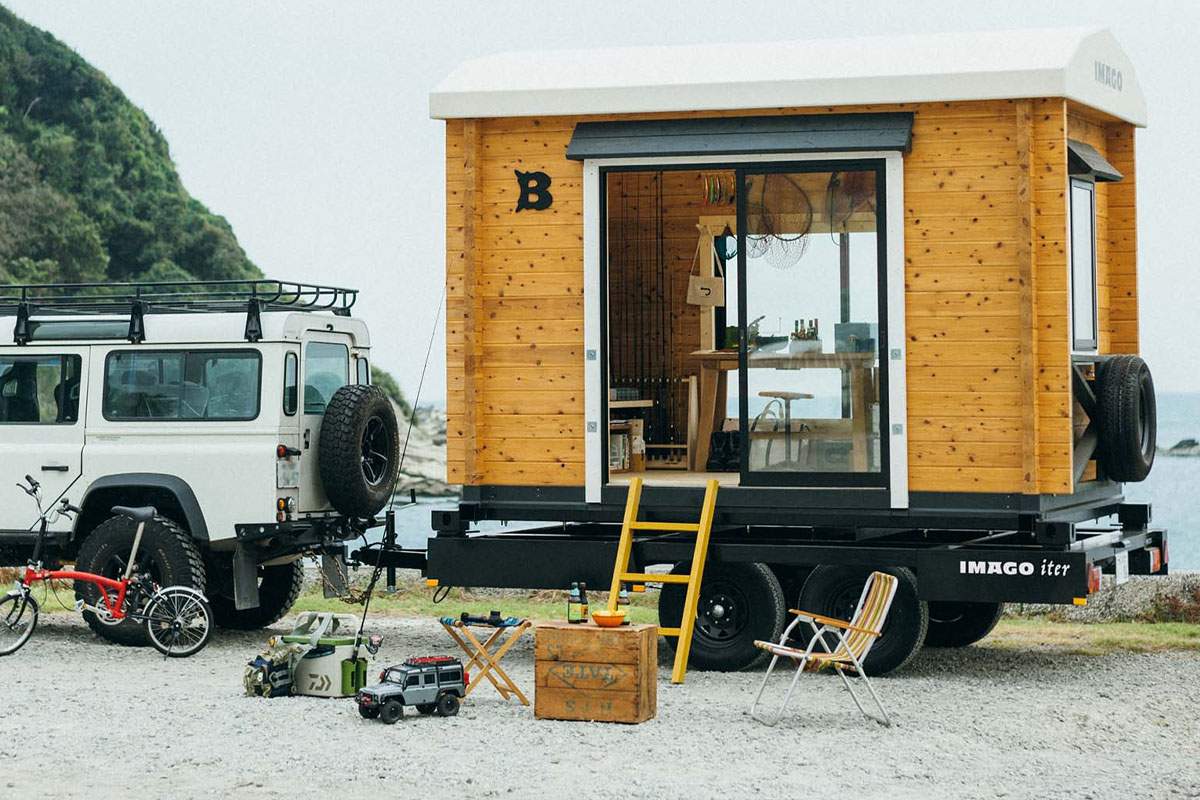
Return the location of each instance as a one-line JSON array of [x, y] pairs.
[[1173, 490]]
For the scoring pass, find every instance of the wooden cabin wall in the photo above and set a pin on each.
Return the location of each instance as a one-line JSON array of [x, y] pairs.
[[985, 274]]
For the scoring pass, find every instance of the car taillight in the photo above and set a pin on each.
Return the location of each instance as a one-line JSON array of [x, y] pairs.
[[1093, 579], [466, 679], [1166, 560]]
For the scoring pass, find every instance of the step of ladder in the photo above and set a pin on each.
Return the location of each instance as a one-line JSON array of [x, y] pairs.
[[621, 573]]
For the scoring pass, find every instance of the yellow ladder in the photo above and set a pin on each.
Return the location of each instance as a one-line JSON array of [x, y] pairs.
[[621, 573]]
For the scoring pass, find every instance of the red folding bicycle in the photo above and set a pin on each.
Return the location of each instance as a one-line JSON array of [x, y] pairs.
[[178, 619]]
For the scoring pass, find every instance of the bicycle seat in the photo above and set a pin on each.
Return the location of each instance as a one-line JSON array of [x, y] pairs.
[[140, 514]]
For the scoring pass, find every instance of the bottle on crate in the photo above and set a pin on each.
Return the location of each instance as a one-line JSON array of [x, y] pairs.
[[573, 604], [583, 602]]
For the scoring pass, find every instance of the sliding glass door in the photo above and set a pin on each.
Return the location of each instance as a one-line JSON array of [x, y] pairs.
[[811, 272]]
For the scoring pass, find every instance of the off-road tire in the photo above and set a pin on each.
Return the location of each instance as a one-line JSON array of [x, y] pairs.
[[279, 586], [953, 624], [833, 591], [752, 607], [168, 550], [448, 704], [1128, 418], [351, 415], [368, 713], [391, 712]]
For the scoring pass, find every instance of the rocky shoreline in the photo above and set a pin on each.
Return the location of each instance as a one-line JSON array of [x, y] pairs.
[[1184, 447], [423, 468]]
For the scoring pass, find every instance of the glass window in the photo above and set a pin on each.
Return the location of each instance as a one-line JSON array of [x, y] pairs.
[[364, 371], [413, 680], [812, 319], [182, 385], [39, 390], [326, 369], [290, 382], [430, 679], [451, 676], [1083, 264]]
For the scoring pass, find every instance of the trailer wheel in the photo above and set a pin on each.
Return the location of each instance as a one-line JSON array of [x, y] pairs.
[[1128, 418], [961, 624], [360, 450], [738, 604], [833, 591]]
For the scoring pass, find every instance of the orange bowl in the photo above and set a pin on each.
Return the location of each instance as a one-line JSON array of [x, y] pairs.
[[608, 619]]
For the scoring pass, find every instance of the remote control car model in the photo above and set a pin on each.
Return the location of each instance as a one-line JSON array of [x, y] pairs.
[[430, 683]]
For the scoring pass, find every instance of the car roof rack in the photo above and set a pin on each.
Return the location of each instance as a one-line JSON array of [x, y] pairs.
[[169, 297]]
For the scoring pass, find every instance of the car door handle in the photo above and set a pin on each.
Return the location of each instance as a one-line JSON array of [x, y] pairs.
[[55, 468]]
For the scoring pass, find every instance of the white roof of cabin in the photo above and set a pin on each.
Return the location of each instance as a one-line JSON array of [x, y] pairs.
[[1086, 65]]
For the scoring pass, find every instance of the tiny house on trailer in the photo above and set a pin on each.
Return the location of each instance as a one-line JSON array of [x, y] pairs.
[[884, 290]]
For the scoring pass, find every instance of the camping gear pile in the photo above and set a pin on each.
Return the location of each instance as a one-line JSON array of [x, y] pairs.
[[319, 658]]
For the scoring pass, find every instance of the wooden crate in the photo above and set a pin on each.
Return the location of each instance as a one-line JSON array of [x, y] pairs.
[[585, 672]]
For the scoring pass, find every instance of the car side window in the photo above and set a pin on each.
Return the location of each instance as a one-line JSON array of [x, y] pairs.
[[291, 368], [364, 371], [413, 680], [39, 390], [430, 679], [213, 385], [326, 369], [451, 676]]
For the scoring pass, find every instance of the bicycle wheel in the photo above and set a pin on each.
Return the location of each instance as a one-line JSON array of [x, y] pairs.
[[179, 621], [18, 618]]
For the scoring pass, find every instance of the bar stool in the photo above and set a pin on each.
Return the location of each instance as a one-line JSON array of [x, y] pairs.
[[786, 398]]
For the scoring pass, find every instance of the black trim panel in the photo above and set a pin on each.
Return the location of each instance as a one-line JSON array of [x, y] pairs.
[[720, 136]]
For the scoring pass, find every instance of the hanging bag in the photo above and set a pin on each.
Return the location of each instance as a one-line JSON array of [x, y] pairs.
[[704, 290]]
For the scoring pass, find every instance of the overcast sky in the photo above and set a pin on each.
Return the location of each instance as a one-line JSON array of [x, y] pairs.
[[306, 124]]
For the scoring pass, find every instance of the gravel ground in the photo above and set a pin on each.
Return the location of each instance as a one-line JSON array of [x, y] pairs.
[[973, 723]]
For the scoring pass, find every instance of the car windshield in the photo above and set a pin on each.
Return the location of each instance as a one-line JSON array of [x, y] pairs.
[[395, 676]]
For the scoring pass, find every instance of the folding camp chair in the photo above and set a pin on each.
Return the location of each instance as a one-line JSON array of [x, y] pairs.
[[853, 642]]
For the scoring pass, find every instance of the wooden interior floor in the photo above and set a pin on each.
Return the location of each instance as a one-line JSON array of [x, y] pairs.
[[674, 477]]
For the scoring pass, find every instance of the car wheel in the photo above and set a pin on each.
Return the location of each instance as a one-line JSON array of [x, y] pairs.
[[738, 604], [447, 704], [167, 553], [278, 587], [391, 712], [833, 591], [368, 712], [954, 624], [359, 450], [427, 708]]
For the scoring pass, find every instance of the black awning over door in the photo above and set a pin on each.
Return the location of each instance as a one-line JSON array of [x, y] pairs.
[[722, 136]]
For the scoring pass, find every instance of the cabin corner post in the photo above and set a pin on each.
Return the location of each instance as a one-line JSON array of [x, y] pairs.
[[897, 426], [1051, 256], [1027, 283], [1122, 232], [593, 351], [472, 307]]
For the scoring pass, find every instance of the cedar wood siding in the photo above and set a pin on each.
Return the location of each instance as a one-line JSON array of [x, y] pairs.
[[986, 279]]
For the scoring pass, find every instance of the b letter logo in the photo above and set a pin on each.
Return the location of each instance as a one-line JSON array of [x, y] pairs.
[[535, 191]]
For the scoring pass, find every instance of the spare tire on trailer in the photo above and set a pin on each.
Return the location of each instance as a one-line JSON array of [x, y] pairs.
[[1127, 418], [834, 590], [359, 450]]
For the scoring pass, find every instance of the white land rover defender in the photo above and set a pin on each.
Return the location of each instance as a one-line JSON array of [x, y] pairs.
[[241, 410]]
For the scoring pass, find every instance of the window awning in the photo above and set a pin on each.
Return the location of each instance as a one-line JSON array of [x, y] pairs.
[[1083, 159], [720, 136]]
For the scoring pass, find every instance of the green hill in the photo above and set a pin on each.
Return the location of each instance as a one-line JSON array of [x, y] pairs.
[[88, 191]]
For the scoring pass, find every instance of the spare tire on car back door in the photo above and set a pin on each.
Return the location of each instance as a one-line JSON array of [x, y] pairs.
[[1128, 418], [359, 450]]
